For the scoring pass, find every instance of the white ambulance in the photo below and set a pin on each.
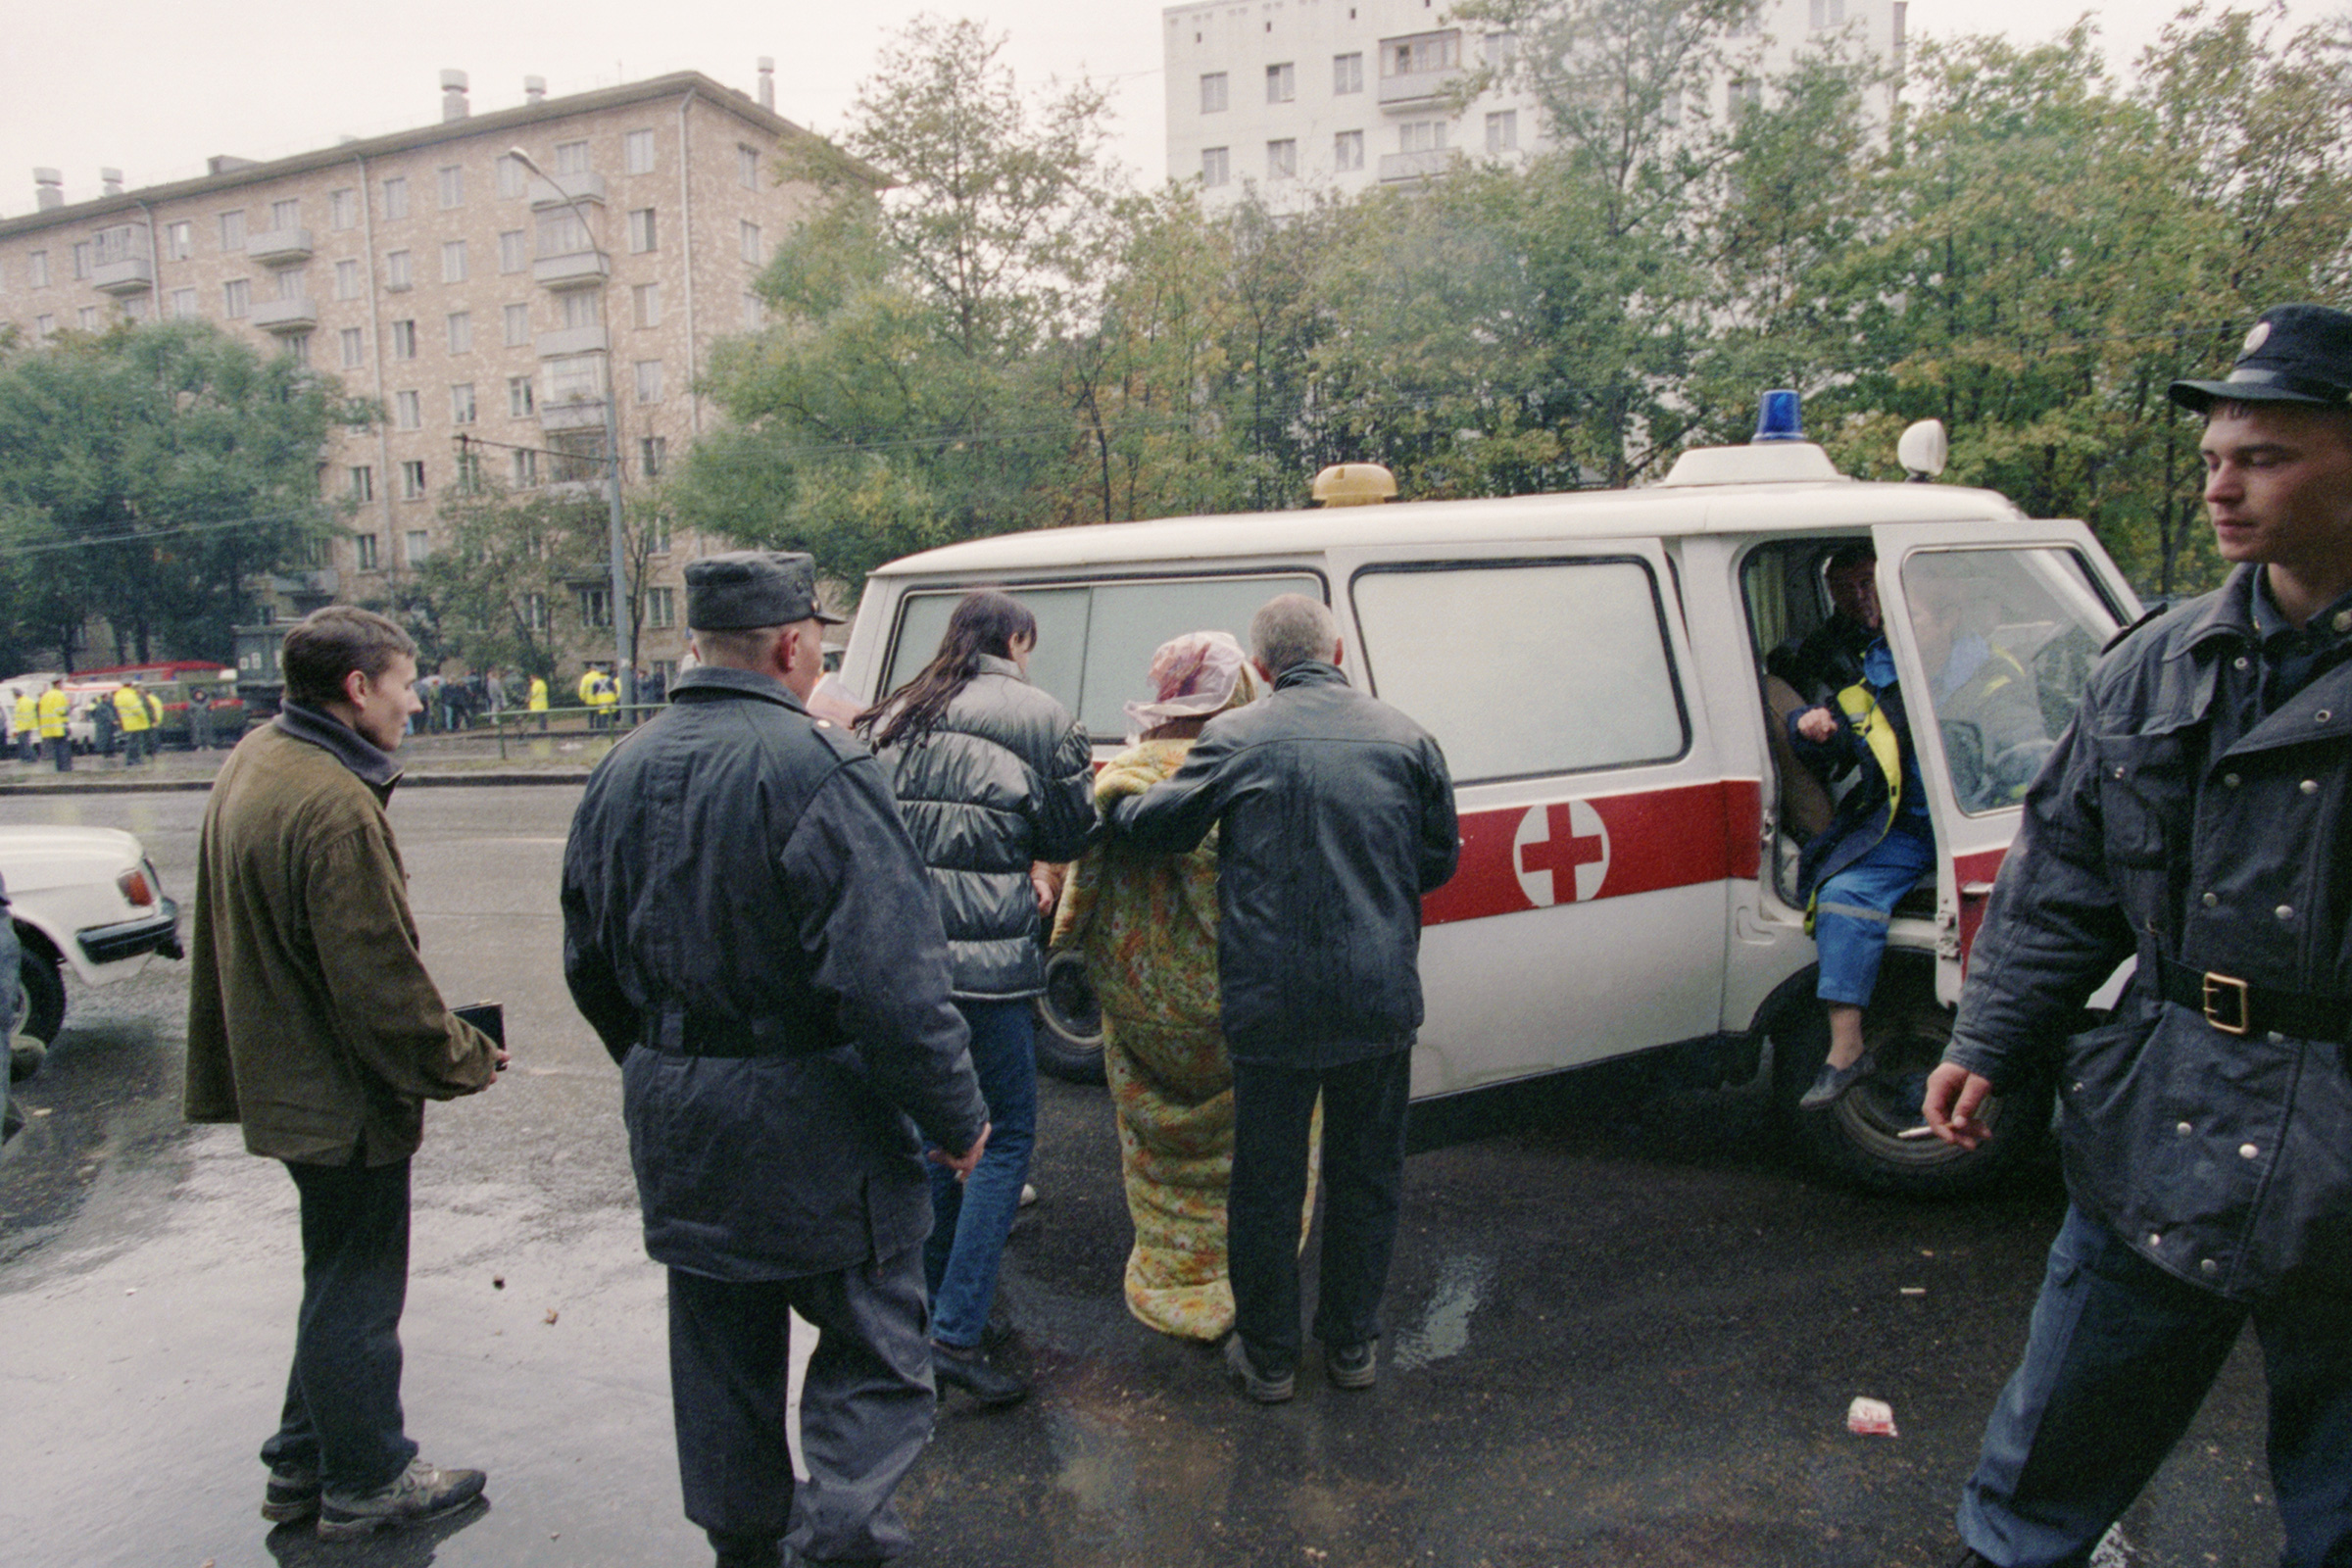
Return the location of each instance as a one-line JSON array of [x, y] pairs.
[[1594, 665]]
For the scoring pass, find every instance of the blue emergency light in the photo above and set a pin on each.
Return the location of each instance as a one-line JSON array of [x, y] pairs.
[[1781, 417]]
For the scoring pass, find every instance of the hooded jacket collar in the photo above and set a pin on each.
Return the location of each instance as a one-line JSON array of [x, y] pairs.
[[373, 764], [1310, 672], [706, 681]]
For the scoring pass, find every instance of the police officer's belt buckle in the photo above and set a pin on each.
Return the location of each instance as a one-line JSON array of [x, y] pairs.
[[2227, 990]]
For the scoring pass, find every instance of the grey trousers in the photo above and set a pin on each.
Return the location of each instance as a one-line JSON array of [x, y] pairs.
[[866, 1406]]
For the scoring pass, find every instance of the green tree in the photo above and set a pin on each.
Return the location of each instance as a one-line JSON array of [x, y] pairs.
[[501, 591]]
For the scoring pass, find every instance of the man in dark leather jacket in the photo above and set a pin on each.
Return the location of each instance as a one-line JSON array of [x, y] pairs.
[[748, 927], [1334, 814], [2193, 816]]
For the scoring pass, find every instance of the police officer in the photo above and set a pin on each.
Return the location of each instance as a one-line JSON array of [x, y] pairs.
[[750, 930], [2194, 817]]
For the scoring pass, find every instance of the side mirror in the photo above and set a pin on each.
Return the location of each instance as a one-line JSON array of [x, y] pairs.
[[1923, 450]]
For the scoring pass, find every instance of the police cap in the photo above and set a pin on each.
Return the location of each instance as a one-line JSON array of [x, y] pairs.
[[746, 588], [2295, 353]]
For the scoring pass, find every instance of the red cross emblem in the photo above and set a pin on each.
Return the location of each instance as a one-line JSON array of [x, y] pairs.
[[1566, 836]]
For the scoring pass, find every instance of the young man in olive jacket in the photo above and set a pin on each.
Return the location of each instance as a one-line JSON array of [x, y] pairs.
[[2195, 816], [312, 1021]]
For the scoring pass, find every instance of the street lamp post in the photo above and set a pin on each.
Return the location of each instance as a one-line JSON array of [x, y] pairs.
[[624, 671]]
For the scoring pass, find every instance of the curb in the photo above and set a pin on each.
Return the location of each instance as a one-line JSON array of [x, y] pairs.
[[182, 786]]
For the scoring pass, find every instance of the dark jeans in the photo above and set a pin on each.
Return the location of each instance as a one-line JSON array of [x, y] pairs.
[[971, 1219], [1363, 1171], [866, 1408], [342, 1416], [61, 752], [2118, 1359]]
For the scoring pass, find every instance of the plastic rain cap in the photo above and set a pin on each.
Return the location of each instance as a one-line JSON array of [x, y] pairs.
[[1194, 675]]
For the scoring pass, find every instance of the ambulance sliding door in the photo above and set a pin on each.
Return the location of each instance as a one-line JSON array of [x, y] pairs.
[[1587, 917]]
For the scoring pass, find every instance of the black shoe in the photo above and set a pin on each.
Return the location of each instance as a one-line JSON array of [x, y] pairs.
[[292, 1493], [418, 1494], [1264, 1390], [1831, 1083], [1350, 1366], [970, 1371]]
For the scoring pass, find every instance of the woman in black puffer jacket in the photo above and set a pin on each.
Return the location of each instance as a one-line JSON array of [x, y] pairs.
[[995, 780]]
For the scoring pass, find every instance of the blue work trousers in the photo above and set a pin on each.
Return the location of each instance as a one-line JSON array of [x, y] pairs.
[[2118, 1359], [971, 1219], [1851, 910]]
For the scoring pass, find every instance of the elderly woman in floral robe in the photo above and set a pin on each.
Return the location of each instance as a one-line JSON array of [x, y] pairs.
[[1147, 926]]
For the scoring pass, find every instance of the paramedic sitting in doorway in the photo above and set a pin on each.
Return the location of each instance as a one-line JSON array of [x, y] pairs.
[[1875, 850]]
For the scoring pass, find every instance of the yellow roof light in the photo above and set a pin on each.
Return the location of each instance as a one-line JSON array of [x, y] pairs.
[[1354, 484]]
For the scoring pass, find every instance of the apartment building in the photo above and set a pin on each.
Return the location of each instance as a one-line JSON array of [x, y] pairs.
[[1294, 98], [436, 274]]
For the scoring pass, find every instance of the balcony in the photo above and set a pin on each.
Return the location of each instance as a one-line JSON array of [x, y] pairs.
[[319, 582], [285, 316], [580, 413], [1417, 89], [130, 274], [561, 193], [1397, 168], [278, 247], [578, 269], [571, 340]]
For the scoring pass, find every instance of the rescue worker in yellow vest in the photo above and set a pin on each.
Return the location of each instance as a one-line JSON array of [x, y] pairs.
[[54, 708], [537, 702], [138, 713], [26, 722], [1875, 850], [587, 695]]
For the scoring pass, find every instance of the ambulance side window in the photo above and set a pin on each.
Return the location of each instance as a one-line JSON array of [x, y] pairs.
[[1525, 667]]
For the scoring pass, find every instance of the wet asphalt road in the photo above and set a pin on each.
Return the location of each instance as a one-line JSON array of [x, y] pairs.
[[1624, 1332]]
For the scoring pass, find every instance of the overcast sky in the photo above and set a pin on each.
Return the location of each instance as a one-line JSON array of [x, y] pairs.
[[154, 88]]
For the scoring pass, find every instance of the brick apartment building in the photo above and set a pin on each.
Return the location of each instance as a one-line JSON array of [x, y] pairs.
[[435, 274]]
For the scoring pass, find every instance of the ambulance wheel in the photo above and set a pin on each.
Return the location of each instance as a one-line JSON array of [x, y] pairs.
[[41, 1005], [1859, 1138], [1070, 1022]]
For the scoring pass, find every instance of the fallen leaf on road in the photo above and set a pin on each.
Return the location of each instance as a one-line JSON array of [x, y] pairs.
[[551, 1314], [1870, 1418]]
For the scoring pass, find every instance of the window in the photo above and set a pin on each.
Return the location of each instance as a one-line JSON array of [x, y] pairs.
[[571, 157], [363, 545], [596, 607], [1500, 49], [1828, 13], [749, 234], [646, 301], [82, 258], [453, 187], [298, 347], [1347, 73], [746, 167], [649, 380], [412, 488], [1212, 93], [523, 471], [583, 307], [1348, 151], [453, 261], [1282, 83], [135, 308], [754, 313], [289, 285], [232, 230], [637, 152], [518, 396], [363, 484], [1503, 131], [661, 608], [404, 341], [38, 264], [657, 533], [237, 298], [514, 251], [641, 230], [396, 198], [510, 176], [183, 304], [408, 411], [460, 332], [44, 328], [518, 325], [347, 280], [653, 456], [398, 273], [580, 457], [1744, 93], [1282, 159], [461, 403], [1421, 54], [575, 378], [355, 347], [285, 215], [179, 241], [1093, 643], [469, 468], [343, 208], [1569, 671], [534, 608], [1421, 136], [86, 317], [419, 542], [1217, 166], [121, 243], [561, 233]]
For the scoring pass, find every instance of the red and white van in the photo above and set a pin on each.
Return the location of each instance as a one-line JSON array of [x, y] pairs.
[[1593, 664]]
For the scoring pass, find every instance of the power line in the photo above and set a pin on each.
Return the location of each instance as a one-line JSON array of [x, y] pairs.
[[151, 535]]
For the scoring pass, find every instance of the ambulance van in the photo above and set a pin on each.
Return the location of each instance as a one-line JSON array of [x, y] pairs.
[[1598, 668]]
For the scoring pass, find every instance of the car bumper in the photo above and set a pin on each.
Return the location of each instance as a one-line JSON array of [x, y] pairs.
[[128, 939]]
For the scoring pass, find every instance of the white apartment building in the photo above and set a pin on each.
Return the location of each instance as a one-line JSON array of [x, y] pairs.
[[436, 274], [1301, 97]]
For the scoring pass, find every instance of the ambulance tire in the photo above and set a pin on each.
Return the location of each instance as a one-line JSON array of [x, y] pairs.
[[41, 1002], [1070, 1022], [1857, 1139]]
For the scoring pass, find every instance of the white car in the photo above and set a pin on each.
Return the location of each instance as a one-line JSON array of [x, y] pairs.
[[85, 899]]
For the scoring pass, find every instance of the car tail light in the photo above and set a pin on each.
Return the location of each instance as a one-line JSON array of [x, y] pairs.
[[137, 886]]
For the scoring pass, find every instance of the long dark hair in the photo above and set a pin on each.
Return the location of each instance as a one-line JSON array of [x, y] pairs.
[[986, 622]]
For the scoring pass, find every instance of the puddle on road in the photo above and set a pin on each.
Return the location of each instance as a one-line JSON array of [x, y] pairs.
[[1463, 1283]]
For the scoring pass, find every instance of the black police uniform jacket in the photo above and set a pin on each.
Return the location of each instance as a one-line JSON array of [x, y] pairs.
[[749, 929], [1334, 814], [1003, 780], [2171, 822]]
